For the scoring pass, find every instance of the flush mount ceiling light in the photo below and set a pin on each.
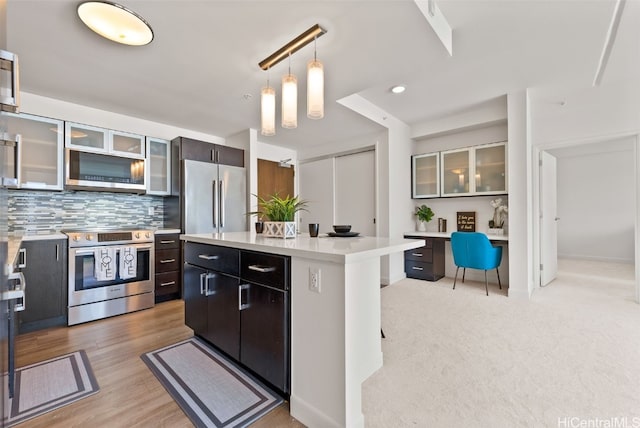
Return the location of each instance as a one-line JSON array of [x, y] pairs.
[[115, 22], [315, 83], [398, 89]]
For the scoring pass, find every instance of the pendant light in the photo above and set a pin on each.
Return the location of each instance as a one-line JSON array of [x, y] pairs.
[[115, 22], [315, 87], [289, 99], [268, 110]]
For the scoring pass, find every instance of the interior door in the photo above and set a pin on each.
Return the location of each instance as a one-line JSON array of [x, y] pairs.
[[355, 192], [275, 178], [548, 219]]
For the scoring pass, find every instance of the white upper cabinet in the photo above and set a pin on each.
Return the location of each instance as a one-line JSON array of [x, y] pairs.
[[158, 170], [100, 140], [491, 169], [478, 170], [425, 174], [37, 157]]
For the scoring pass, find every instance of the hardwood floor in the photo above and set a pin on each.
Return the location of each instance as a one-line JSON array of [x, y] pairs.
[[130, 395]]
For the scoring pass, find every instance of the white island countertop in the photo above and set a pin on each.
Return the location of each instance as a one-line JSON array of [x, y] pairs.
[[322, 248]]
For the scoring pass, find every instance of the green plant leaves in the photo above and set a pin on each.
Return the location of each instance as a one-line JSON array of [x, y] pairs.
[[276, 208]]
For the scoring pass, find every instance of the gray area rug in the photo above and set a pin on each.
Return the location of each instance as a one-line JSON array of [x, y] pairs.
[[211, 391], [48, 385]]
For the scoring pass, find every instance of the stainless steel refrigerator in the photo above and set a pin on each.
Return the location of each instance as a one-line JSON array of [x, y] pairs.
[[215, 197]]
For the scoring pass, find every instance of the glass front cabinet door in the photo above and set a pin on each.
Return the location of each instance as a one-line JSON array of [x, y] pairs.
[[491, 172], [425, 178], [37, 158], [126, 144], [158, 166], [455, 172], [86, 137]]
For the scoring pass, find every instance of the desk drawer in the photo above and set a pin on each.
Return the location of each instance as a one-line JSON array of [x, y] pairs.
[[420, 270], [422, 254]]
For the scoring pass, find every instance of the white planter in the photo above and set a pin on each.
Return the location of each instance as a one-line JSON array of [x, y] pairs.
[[279, 229], [495, 231], [421, 226]]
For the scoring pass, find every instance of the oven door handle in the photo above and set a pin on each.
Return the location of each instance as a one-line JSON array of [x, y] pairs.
[[93, 249]]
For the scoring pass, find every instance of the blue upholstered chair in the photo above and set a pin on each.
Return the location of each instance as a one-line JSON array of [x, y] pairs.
[[474, 250]]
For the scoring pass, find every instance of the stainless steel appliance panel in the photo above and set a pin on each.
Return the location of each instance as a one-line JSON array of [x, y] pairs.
[[233, 199], [200, 187], [215, 197], [109, 308]]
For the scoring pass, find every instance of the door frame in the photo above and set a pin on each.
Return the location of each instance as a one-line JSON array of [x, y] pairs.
[[537, 149]]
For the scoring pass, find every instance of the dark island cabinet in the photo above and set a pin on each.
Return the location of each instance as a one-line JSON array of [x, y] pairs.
[[239, 301], [426, 262], [44, 266], [167, 267]]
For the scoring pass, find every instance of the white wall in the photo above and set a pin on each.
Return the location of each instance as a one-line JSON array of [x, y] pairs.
[[596, 204], [57, 109]]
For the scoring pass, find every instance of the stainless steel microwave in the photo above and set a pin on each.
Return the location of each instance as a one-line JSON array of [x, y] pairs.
[[106, 172]]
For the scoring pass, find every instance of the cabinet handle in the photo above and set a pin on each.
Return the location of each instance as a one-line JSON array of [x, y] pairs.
[[417, 254], [22, 258], [204, 283], [202, 280], [165, 284], [168, 261], [168, 241], [417, 268], [208, 257], [263, 269], [57, 252], [242, 306]]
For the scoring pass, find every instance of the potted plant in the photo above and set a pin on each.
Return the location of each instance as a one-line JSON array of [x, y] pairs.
[[423, 214], [281, 214]]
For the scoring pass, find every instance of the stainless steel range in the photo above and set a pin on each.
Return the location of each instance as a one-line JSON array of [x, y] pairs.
[[111, 272]]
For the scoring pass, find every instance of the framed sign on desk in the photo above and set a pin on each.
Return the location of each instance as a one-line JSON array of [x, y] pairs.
[[466, 221]]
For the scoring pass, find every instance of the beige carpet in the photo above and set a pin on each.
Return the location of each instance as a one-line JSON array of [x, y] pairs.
[[457, 358]]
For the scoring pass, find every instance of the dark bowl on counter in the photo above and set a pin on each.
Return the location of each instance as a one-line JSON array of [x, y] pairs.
[[342, 228]]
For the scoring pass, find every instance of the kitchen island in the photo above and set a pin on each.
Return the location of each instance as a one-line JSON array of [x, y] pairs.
[[335, 328]]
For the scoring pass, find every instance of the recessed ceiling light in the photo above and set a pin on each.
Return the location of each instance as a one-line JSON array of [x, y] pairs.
[[115, 22], [398, 89]]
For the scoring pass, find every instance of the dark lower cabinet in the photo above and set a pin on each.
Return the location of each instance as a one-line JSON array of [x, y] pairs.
[[426, 262], [248, 319], [167, 267], [45, 274], [264, 333]]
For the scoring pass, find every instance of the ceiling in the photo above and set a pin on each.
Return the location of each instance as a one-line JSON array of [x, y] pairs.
[[201, 70]]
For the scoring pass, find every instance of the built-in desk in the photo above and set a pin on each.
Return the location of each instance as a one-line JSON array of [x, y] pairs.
[[428, 262]]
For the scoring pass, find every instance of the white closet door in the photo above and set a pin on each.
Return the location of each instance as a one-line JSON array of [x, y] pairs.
[[315, 183], [355, 192]]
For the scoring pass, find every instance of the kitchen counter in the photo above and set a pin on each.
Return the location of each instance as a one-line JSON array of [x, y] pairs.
[[166, 231], [322, 248], [13, 244], [335, 331]]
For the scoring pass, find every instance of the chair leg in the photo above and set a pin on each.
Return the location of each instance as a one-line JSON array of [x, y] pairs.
[[382, 334], [464, 270], [498, 273], [486, 283], [456, 277]]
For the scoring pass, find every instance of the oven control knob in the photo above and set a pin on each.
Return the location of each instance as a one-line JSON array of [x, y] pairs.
[[89, 237], [147, 235], [137, 235], [76, 238]]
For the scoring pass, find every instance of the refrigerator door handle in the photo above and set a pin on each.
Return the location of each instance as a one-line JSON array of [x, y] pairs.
[[221, 204], [215, 204]]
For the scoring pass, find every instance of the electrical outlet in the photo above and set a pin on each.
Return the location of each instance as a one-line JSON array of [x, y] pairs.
[[314, 279], [150, 211]]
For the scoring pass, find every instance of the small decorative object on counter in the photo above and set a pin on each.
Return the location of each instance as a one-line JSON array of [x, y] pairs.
[[466, 221], [423, 214], [442, 224], [259, 226], [281, 213], [314, 228], [496, 225]]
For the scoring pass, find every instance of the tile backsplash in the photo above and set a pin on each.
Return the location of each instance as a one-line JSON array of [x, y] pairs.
[[47, 212]]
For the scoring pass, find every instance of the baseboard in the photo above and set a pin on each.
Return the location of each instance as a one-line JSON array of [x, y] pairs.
[[519, 294], [309, 415], [595, 258]]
